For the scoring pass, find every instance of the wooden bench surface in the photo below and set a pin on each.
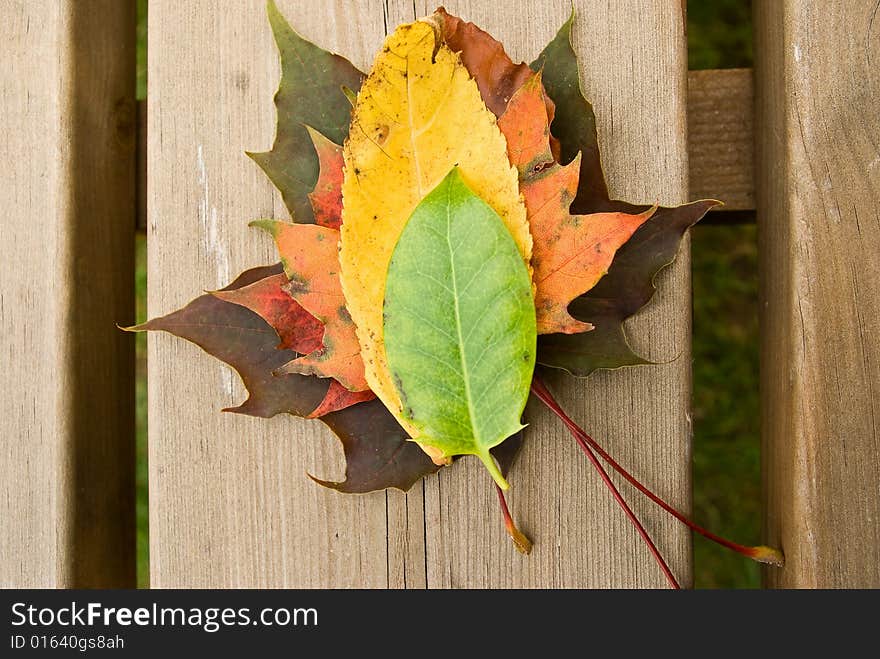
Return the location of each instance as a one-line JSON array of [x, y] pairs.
[[230, 503]]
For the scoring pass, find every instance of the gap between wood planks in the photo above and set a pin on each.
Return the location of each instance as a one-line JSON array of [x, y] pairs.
[[720, 145]]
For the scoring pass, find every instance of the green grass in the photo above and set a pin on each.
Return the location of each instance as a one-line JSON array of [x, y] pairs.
[[141, 479], [725, 403], [140, 282], [719, 34], [727, 476], [727, 472]]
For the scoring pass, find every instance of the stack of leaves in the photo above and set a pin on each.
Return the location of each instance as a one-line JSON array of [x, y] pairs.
[[451, 227]]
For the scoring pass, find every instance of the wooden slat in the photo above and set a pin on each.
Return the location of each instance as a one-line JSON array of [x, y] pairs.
[[230, 501], [720, 139], [818, 172], [230, 504], [66, 382], [582, 538]]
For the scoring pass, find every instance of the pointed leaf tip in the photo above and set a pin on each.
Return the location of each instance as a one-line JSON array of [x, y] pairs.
[[326, 198], [310, 93], [338, 398], [267, 225], [241, 338]]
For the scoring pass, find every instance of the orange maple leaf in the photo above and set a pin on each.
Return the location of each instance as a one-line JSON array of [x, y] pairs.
[[326, 198], [309, 255], [571, 252]]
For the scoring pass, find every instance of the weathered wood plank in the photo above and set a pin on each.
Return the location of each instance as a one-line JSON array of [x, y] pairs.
[[230, 505], [66, 385], [582, 538], [230, 501], [818, 181], [720, 111]]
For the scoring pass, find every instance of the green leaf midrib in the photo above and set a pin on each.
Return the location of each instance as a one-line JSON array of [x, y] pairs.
[[462, 348]]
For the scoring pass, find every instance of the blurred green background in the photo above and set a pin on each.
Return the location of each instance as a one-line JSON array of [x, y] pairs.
[[725, 348]]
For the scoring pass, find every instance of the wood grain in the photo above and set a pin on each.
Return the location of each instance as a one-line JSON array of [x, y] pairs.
[[818, 174], [229, 502], [66, 385], [720, 108], [581, 538]]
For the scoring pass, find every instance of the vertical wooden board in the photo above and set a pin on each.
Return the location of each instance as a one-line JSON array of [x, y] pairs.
[[632, 51], [208, 493], [66, 409], [230, 501], [31, 424], [818, 178]]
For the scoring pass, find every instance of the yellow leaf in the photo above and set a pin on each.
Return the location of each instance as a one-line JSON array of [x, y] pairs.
[[418, 114]]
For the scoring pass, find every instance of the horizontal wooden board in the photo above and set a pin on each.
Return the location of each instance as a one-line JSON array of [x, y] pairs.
[[721, 138]]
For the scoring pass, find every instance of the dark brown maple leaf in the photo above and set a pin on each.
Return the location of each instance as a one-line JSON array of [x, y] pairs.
[[239, 337]]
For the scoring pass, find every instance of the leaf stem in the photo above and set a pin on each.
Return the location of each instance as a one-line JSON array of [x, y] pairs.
[[522, 543], [494, 470], [620, 501], [632, 516], [760, 553]]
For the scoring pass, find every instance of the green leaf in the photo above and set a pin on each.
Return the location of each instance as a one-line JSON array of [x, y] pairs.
[[629, 284], [459, 325], [310, 94]]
